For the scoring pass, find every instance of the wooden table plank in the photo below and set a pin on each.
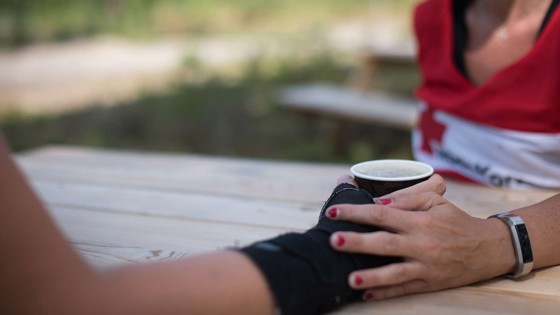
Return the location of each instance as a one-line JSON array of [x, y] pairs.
[[461, 301], [236, 177], [180, 205], [227, 176], [154, 233]]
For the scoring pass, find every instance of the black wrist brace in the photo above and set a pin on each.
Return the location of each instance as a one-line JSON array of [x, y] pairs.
[[304, 273]]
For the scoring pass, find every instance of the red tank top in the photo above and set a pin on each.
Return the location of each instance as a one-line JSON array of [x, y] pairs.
[[505, 132], [524, 96]]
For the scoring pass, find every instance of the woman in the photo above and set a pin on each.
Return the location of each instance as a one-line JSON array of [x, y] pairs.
[[490, 91], [491, 115]]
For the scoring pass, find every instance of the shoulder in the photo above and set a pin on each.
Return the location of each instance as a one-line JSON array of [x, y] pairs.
[[430, 4], [431, 7], [429, 15]]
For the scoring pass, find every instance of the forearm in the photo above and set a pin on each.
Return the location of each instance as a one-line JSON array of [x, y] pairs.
[[216, 283], [42, 274], [224, 282], [38, 266], [543, 224]]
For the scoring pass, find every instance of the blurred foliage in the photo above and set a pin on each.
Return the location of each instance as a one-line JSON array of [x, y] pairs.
[[217, 116], [27, 21]]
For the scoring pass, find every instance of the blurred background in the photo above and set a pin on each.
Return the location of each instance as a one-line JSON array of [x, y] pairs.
[[193, 76]]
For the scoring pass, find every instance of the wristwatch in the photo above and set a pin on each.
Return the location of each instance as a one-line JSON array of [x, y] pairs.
[[521, 243]]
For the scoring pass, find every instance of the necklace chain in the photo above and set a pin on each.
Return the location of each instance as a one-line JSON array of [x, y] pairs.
[[503, 32]]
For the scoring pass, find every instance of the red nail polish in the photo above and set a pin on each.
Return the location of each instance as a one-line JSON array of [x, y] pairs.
[[384, 201], [358, 280], [368, 296], [332, 213], [340, 240]]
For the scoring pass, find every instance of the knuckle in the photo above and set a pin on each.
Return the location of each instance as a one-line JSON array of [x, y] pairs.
[[400, 272], [377, 215], [440, 186], [425, 221], [351, 212], [390, 243], [428, 200]]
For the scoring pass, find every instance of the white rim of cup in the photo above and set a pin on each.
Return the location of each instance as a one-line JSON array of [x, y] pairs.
[[430, 170]]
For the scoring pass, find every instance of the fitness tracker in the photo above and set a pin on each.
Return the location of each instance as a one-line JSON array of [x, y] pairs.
[[521, 243]]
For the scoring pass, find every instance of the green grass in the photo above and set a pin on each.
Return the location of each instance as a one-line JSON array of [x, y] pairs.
[[217, 116]]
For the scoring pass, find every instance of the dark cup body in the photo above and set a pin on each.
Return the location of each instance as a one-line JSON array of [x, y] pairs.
[[382, 177], [381, 188]]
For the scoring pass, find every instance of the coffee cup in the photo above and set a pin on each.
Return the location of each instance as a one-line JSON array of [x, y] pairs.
[[381, 177]]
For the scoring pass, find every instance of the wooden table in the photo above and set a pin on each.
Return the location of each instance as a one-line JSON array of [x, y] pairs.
[[120, 207]]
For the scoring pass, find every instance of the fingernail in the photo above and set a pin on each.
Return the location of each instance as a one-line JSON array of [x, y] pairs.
[[332, 213], [368, 296], [384, 201], [340, 240], [358, 280]]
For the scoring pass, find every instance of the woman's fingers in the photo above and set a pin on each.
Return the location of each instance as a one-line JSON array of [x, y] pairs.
[[413, 286], [368, 214], [377, 243], [390, 213], [389, 275]]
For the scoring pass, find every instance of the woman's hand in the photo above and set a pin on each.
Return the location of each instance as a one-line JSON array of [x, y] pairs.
[[442, 246]]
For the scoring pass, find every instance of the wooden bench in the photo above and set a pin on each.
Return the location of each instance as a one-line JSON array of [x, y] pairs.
[[349, 104], [357, 100]]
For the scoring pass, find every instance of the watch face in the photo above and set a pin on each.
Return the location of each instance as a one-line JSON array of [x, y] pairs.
[[524, 242]]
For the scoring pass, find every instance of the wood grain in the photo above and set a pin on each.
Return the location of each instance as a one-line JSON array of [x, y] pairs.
[[119, 207]]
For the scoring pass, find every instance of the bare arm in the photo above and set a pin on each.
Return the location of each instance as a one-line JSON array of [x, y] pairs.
[[543, 223], [41, 273]]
